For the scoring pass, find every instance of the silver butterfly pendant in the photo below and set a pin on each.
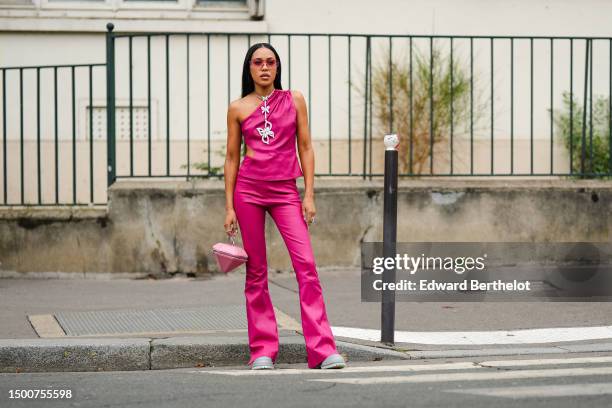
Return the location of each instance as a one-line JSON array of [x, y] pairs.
[[266, 133]]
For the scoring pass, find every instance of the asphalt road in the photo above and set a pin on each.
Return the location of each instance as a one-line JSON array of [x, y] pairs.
[[536, 381]]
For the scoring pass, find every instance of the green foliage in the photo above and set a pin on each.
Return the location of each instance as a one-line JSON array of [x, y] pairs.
[[599, 161], [427, 79], [213, 171]]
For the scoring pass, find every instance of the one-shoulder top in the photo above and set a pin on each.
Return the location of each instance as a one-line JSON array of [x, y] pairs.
[[272, 141]]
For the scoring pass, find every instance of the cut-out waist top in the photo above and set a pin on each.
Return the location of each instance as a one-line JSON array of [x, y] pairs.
[[273, 141]]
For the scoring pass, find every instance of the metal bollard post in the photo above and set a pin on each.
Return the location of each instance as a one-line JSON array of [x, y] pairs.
[[110, 105], [389, 236]]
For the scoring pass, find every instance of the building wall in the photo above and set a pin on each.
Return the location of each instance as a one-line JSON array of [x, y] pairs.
[[467, 17], [73, 32]]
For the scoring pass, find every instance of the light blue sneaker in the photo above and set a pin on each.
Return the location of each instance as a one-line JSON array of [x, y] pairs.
[[262, 363], [333, 361]]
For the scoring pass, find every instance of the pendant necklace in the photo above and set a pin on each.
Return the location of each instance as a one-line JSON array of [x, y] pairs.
[[266, 132]]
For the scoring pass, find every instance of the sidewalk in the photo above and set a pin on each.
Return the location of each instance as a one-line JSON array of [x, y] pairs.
[[106, 324]]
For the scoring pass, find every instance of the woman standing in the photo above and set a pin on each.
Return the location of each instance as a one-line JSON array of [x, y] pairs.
[[270, 118]]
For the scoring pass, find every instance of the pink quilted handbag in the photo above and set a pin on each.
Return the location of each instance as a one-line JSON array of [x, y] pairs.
[[229, 256]]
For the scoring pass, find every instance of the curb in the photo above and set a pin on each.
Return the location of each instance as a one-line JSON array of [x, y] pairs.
[[415, 351], [502, 351], [50, 355], [135, 354]]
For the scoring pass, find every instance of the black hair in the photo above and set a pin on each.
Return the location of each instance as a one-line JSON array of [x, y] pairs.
[[248, 85]]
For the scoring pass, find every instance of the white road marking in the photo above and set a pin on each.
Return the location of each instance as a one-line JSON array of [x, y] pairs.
[[526, 336], [347, 370], [474, 376], [542, 391], [543, 361], [414, 367]]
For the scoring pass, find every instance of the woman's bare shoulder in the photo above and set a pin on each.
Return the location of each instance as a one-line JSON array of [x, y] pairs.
[[240, 107], [296, 94], [238, 104]]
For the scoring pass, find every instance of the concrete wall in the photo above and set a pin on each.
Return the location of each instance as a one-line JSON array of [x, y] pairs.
[[170, 227]]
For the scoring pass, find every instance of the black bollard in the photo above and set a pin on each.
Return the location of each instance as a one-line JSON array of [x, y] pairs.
[[389, 236], [111, 175]]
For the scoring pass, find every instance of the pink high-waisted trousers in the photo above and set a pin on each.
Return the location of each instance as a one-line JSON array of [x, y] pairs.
[[252, 198]]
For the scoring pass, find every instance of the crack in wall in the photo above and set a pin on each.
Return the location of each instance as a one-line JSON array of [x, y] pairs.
[[369, 221], [158, 254]]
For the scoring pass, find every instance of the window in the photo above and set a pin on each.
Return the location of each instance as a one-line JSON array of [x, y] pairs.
[[221, 3], [17, 2], [134, 15]]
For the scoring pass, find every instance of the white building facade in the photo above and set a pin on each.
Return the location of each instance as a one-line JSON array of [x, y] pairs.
[[519, 56]]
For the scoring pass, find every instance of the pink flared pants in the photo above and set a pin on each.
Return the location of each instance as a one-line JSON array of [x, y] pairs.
[[252, 198]]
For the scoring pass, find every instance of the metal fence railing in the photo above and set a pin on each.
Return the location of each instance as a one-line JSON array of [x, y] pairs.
[[48, 152], [462, 106]]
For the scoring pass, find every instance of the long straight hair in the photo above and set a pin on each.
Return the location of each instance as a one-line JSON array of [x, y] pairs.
[[248, 85]]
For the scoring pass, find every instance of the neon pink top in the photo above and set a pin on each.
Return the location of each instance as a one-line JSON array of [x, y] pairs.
[[273, 142]]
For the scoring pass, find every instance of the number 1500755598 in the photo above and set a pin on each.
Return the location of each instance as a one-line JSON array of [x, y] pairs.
[[40, 394]]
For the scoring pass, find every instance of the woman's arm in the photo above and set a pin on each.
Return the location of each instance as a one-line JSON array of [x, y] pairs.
[[306, 154], [232, 159]]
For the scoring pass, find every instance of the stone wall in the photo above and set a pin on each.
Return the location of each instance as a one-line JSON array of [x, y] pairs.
[[165, 227]]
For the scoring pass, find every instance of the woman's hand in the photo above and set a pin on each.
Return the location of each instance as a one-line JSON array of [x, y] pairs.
[[231, 223], [308, 209]]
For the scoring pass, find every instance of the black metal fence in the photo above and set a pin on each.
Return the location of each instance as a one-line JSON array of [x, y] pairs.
[[461, 106], [39, 135]]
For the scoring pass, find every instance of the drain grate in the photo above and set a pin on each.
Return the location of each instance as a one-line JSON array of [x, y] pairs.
[[231, 317]]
